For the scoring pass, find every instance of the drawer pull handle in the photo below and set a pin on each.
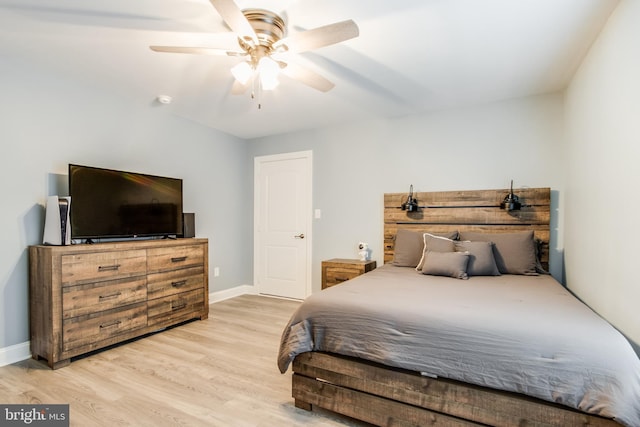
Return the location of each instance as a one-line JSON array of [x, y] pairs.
[[179, 306], [104, 297], [178, 283], [178, 259], [341, 279], [109, 325], [108, 267]]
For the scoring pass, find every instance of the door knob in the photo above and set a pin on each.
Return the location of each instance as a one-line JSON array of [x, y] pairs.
[[299, 236]]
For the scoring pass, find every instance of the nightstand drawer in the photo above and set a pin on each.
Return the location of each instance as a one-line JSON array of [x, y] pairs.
[[338, 270], [335, 275]]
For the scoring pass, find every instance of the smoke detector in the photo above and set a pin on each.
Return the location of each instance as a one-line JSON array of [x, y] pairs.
[[164, 99]]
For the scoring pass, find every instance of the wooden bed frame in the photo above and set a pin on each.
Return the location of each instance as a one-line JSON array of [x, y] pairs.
[[386, 396]]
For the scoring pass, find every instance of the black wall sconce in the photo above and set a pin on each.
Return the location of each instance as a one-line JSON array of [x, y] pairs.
[[511, 202], [411, 205]]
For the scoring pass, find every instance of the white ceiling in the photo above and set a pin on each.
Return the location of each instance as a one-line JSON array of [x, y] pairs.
[[412, 55]]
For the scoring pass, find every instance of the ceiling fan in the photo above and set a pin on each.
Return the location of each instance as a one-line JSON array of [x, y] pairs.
[[262, 38]]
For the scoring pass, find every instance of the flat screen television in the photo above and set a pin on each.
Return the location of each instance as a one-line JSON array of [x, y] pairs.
[[108, 203]]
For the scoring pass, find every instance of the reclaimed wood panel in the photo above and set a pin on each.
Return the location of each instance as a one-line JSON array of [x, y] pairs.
[[322, 378], [474, 210], [368, 407]]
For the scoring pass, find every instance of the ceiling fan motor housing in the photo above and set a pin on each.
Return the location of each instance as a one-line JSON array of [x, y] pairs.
[[269, 27]]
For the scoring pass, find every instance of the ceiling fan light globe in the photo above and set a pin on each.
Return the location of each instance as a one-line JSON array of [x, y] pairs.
[[268, 83], [242, 72], [268, 68]]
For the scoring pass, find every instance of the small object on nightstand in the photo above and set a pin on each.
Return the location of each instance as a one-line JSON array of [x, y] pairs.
[[337, 270], [364, 251]]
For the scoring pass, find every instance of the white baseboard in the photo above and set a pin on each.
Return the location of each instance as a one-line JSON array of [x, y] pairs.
[[18, 352], [15, 353], [230, 293]]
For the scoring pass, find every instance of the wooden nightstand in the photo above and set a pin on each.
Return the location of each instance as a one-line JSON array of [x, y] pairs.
[[337, 270]]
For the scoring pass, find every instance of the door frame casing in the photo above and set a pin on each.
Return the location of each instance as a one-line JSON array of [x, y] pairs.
[[257, 162]]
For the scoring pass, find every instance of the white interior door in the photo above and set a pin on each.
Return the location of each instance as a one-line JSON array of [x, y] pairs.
[[282, 224]]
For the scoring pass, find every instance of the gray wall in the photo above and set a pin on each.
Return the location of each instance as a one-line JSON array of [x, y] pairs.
[[603, 171], [472, 148], [48, 122]]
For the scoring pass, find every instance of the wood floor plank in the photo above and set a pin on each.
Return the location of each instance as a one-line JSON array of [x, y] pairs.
[[216, 372]]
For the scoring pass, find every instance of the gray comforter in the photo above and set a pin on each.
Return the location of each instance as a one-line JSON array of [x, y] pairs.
[[517, 333]]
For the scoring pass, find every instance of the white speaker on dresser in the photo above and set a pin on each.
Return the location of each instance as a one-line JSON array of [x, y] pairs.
[[57, 227]]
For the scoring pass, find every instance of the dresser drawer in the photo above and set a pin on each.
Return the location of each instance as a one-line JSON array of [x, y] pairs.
[[95, 297], [93, 328], [178, 307], [100, 266], [173, 282], [174, 257], [335, 275]]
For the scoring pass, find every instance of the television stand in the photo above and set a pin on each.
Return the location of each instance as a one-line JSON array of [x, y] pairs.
[[89, 296]]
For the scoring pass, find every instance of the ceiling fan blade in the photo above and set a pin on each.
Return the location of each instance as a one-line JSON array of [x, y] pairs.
[[235, 19], [196, 50], [308, 77], [319, 37]]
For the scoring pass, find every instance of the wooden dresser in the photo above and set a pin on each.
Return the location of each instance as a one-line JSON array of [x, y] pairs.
[[338, 270], [86, 297]]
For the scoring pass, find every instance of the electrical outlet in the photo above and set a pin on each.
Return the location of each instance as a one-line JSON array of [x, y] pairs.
[[216, 271]]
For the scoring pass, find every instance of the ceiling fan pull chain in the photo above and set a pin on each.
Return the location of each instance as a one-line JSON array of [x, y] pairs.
[[255, 94]]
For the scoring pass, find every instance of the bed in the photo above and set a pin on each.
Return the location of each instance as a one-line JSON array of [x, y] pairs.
[[507, 347]]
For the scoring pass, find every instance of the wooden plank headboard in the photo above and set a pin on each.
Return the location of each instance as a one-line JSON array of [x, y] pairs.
[[479, 210]]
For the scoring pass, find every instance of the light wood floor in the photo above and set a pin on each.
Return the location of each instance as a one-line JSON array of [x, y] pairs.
[[217, 372]]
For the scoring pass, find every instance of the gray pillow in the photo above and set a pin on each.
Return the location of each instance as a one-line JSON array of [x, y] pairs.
[[435, 243], [481, 259], [515, 253], [409, 246], [450, 264]]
